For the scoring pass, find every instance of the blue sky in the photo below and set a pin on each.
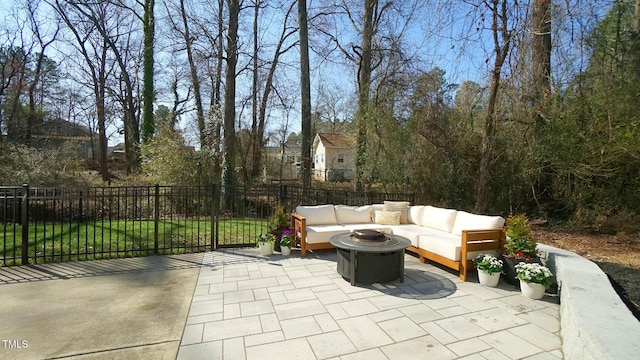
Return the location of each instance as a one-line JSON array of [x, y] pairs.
[[442, 34]]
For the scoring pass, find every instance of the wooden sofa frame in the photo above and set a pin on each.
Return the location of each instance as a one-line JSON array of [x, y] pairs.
[[299, 227], [472, 240]]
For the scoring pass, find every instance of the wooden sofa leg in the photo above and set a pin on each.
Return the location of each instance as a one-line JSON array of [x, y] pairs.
[[463, 271], [422, 259]]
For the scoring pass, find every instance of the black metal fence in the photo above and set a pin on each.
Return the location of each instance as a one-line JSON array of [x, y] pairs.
[[39, 225]]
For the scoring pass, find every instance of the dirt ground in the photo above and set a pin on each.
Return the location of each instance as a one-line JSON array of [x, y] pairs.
[[617, 255]]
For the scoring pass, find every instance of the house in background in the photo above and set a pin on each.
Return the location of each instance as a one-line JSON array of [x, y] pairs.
[[282, 162], [58, 133], [333, 157]]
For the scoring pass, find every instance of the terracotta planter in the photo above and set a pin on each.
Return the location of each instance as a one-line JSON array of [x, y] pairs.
[[490, 280], [509, 268], [532, 290]]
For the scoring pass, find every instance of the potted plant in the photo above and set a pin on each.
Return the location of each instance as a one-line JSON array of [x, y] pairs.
[[489, 269], [278, 222], [265, 243], [519, 247], [534, 279], [286, 240]]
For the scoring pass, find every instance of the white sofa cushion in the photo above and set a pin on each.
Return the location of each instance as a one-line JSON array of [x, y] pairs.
[[467, 221], [388, 217], [374, 208], [414, 215], [439, 218], [318, 215], [322, 233], [402, 206], [353, 214]]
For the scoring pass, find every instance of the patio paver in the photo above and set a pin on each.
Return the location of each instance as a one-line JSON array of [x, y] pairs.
[[290, 307]]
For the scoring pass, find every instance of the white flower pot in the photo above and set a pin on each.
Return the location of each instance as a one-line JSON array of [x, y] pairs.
[[285, 250], [532, 290], [266, 248], [490, 280]]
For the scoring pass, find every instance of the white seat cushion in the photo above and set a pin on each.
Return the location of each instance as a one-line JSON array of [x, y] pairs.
[[353, 214], [410, 231], [466, 221], [322, 233], [318, 215], [448, 246], [438, 218]]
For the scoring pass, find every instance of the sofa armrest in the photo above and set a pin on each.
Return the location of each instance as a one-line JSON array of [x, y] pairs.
[[299, 227], [478, 240]]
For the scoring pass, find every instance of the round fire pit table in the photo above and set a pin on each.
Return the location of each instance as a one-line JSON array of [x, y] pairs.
[[370, 260]]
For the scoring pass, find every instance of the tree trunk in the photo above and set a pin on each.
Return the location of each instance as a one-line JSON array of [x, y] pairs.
[[215, 99], [255, 140], [364, 83], [229, 176], [636, 38], [148, 95], [305, 167], [541, 61]]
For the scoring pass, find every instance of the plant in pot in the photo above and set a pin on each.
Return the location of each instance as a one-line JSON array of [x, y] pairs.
[[534, 278], [489, 269], [265, 243], [286, 241], [278, 222], [519, 247]]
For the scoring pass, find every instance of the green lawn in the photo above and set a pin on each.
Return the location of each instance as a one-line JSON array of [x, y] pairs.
[[108, 239]]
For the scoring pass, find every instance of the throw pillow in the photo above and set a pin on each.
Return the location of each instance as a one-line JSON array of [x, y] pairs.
[[388, 217], [402, 206]]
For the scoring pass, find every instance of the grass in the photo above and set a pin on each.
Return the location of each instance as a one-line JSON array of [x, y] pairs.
[[55, 242]]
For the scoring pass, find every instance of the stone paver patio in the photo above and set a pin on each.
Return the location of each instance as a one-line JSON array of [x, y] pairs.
[[247, 306]]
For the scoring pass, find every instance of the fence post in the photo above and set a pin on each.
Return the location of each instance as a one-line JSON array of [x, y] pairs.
[[24, 222], [156, 218]]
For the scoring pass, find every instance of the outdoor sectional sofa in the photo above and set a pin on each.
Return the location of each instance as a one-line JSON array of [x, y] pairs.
[[445, 236]]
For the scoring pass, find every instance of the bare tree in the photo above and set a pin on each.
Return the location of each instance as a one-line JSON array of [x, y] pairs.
[[118, 40], [259, 121], [502, 36], [98, 67]]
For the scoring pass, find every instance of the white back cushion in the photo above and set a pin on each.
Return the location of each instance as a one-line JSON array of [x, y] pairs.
[[466, 221], [415, 214], [318, 215], [438, 218], [353, 214]]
